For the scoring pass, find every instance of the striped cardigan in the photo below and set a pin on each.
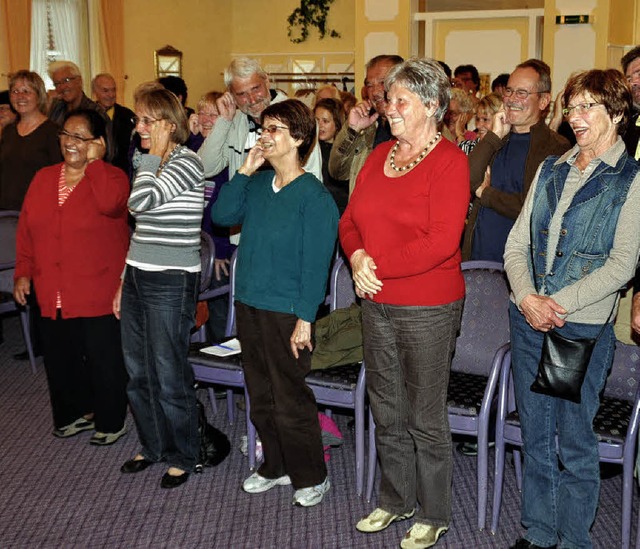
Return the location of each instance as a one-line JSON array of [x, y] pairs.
[[167, 204]]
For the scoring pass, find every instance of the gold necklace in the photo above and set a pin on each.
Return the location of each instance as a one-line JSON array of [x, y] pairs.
[[424, 152]]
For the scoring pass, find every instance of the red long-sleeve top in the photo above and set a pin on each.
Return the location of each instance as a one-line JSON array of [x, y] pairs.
[[411, 225], [78, 248]]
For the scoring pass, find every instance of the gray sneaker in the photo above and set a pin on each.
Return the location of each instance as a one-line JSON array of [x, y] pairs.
[[74, 428], [308, 497], [257, 484]]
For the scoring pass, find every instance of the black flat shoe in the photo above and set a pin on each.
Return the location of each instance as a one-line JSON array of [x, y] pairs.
[[135, 465], [170, 481], [526, 544]]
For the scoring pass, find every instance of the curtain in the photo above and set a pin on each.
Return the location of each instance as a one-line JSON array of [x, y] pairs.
[[111, 18], [17, 15]]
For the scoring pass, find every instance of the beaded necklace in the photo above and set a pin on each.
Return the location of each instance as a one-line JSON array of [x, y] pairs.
[[424, 152]]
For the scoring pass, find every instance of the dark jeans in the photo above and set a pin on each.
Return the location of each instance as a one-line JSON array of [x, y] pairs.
[[558, 504], [283, 408], [408, 353], [85, 371], [158, 312]]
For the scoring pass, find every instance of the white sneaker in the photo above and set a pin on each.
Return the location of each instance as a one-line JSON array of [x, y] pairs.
[[257, 484], [308, 497], [422, 536], [380, 519]]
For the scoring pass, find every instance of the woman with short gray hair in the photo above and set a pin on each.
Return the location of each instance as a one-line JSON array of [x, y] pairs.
[[401, 232]]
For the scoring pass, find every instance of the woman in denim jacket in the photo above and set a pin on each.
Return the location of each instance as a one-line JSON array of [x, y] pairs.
[[574, 245]]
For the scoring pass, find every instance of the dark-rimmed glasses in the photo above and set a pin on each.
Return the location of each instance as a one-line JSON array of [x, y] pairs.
[[272, 129], [66, 80], [579, 109], [74, 137], [520, 93]]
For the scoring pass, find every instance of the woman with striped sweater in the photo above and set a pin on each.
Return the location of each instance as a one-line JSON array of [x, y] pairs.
[[159, 289]]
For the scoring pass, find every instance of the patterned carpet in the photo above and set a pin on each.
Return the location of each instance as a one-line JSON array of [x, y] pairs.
[[65, 493]]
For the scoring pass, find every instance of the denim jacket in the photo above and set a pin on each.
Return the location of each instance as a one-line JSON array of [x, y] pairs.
[[588, 226]]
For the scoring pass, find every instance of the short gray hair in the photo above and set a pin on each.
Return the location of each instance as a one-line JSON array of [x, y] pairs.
[[59, 65], [243, 67], [426, 78], [101, 75]]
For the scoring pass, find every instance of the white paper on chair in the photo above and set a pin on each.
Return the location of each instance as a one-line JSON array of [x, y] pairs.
[[228, 348]]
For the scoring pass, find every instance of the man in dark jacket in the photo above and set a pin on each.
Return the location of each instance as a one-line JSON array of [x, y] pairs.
[[504, 163]]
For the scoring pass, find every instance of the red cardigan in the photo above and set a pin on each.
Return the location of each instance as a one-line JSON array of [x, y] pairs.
[[411, 226], [78, 248]]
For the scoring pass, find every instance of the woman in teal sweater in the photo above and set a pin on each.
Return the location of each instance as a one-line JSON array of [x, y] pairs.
[[289, 224]]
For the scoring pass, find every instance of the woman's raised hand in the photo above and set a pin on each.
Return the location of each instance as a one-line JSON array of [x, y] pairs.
[[160, 135], [253, 161], [363, 268], [96, 150]]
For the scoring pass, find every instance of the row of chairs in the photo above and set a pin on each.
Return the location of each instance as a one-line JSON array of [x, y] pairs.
[[480, 388]]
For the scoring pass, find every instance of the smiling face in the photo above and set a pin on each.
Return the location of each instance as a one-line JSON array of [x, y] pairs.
[[251, 94], [75, 142], [104, 88], [207, 116], [145, 121], [68, 86], [633, 81], [524, 113], [326, 124], [276, 140], [484, 119], [594, 129], [374, 85], [23, 97], [405, 112]]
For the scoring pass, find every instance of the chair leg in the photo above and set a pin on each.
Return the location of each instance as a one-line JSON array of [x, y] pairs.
[[372, 459], [498, 480], [517, 464], [627, 502], [230, 404], [482, 474], [26, 333], [359, 413], [212, 399]]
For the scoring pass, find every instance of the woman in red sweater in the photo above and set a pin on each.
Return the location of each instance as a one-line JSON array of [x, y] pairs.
[[401, 231], [72, 241]]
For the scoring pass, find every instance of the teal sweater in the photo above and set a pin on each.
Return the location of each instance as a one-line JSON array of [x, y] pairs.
[[287, 241]]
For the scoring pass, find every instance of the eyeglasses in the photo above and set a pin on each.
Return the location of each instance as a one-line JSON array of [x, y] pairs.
[[520, 93], [272, 129], [144, 120], [579, 109], [66, 80], [74, 137]]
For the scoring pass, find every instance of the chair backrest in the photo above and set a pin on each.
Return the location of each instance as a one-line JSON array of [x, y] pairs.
[[624, 377], [341, 290], [8, 228], [485, 317], [207, 257]]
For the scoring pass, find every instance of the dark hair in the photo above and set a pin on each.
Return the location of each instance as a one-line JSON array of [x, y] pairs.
[[543, 70], [96, 124], [629, 58], [608, 87], [335, 108], [384, 58], [500, 80], [164, 105], [176, 85], [446, 68], [298, 118], [475, 77]]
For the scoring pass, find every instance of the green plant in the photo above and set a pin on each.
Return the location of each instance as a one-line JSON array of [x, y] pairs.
[[310, 13]]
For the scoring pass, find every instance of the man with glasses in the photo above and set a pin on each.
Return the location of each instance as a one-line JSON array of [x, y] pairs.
[[504, 163], [366, 125], [238, 127], [631, 68], [67, 79]]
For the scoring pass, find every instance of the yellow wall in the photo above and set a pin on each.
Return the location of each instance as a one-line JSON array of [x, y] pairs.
[[4, 55], [209, 32]]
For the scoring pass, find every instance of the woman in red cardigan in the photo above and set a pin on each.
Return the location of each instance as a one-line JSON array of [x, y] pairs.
[[401, 231], [71, 243]]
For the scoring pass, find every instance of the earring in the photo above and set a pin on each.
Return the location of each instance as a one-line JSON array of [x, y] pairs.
[[617, 120]]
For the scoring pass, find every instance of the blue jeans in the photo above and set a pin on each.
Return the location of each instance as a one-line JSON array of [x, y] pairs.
[[558, 503], [158, 312], [408, 353]]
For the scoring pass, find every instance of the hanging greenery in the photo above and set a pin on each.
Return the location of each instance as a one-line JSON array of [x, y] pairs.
[[310, 13]]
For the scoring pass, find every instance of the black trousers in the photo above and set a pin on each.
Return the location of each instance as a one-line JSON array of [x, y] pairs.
[[85, 370], [283, 408]]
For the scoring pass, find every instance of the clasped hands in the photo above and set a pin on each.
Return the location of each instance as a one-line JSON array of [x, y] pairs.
[[542, 313], [363, 268]]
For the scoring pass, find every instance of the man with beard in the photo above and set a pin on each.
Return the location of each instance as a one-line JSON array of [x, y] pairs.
[[631, 69], [238, 126], [366, 126], [503, 165]]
